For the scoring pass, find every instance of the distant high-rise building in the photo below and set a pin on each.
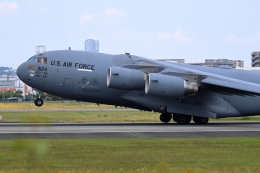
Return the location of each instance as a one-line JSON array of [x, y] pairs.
[[40, 49], [255, 59], [92, 45]]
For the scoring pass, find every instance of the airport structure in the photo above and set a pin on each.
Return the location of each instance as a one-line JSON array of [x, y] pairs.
[[40, 49], [92, 45]]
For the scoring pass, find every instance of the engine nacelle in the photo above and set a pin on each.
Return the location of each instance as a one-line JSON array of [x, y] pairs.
[[125, 79], [168, 86]]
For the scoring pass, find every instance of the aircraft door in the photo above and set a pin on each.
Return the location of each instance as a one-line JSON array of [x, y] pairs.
[[68, 85]]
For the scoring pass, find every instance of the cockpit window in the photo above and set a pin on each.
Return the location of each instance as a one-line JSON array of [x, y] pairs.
[[32, 58], [42, 60]]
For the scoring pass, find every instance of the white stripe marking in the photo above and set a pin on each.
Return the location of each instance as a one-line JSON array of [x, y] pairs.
[[84, 70]]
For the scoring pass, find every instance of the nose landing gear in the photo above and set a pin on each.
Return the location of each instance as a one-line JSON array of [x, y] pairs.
[[38, 102]]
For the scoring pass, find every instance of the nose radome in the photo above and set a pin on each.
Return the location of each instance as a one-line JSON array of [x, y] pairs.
[[21, 70]]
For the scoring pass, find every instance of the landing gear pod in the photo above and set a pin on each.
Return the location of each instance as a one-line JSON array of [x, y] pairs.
[[125, 79], [168, 86]]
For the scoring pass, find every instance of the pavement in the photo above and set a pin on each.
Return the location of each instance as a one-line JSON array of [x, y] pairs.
[[129, 130]]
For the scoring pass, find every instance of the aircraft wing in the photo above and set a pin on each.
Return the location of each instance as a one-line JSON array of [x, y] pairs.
[[223, 81], [201, 77]]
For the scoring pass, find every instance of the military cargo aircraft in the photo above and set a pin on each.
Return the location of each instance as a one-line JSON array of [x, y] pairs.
[[177, 91]]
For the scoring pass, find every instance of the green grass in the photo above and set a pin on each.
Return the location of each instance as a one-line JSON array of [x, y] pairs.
[[130, 154], [79, 117], [246, 118], [137, 116], [55, 105]]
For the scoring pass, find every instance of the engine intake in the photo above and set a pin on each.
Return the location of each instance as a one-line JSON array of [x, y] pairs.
[[168, 86], [125, 79]]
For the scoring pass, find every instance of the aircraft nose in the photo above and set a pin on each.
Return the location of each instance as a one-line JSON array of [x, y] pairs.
[[21, 71]]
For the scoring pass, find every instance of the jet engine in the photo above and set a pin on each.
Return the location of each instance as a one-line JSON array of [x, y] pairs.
[[125, 79], [168, 86]]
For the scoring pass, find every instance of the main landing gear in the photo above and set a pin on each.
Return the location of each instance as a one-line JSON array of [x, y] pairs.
[[38, 102], [182, 119], [200, 120], [165, 117]]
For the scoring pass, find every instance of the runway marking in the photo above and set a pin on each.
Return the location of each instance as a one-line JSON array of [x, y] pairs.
[[138, 132]]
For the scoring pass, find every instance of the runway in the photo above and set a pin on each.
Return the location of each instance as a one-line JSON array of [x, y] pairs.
[[129, 130]]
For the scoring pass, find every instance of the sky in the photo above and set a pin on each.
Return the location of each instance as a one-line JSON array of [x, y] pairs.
[[155, 29]]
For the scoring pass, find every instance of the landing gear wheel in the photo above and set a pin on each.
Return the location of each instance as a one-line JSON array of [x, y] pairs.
[[182, 119], [38, 102], [165, 117], [200, 120]]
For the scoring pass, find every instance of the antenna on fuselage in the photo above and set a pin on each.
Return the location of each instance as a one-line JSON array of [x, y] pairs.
[[128, 54]]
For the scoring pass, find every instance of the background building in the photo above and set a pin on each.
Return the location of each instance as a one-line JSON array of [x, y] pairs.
[[173, 60], [228, 62], [219, 62], [211, 62], [40, 49], [255, 62], [92, 45], [7, 81], [238, 63]]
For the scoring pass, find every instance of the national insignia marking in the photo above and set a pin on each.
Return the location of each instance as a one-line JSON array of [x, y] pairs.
[[32, 73]]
